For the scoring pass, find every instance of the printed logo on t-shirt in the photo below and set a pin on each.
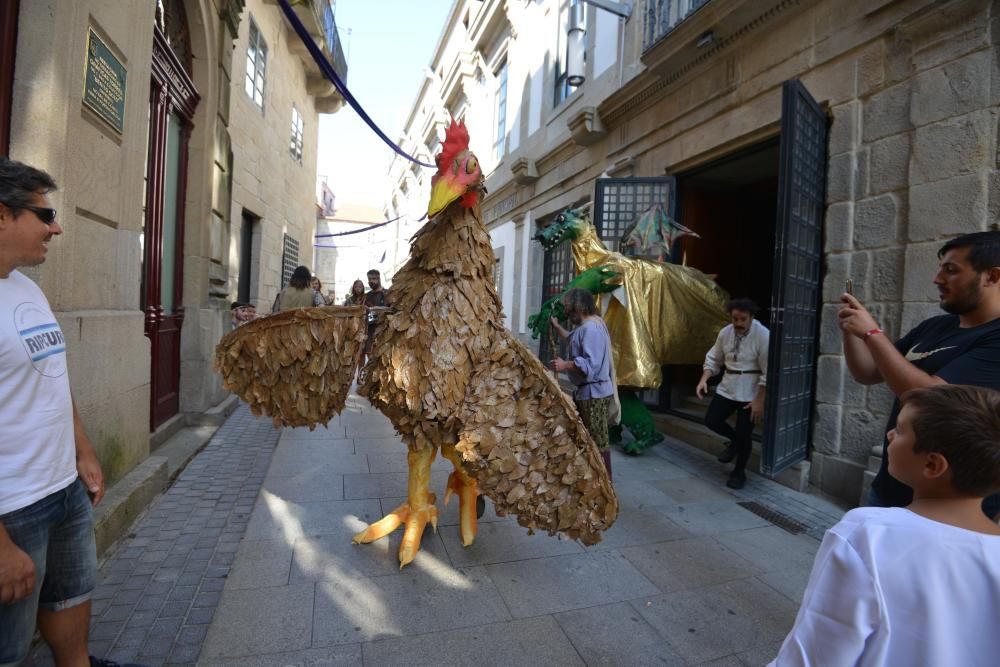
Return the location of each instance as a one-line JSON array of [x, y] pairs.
[[913, 355], [42, 339]]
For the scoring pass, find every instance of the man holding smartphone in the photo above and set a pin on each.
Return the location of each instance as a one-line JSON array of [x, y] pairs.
[[961, 347], [50, 477]]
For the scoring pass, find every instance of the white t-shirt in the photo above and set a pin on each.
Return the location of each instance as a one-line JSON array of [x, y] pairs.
[[890, 587], [37, 450]]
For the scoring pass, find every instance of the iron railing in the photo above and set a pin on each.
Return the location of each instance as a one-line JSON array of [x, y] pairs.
[[324, 14], [662, 16]]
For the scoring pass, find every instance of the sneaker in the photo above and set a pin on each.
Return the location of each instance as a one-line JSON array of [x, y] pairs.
[[736, 481], [728, 454], [101, 662]]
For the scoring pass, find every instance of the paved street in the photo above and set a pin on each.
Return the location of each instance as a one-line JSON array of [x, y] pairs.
[[685, 577]]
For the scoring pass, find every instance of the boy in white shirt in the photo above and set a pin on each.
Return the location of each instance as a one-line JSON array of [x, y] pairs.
[[918, 585]]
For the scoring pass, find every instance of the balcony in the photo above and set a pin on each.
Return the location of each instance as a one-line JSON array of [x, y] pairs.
[[317, 17], [662, 16], [677, 34]]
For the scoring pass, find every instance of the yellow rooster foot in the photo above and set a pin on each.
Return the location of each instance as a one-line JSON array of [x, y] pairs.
[[469, 500], [415, 520]]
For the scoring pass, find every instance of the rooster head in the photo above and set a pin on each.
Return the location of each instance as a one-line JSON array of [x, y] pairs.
[[459, 175]]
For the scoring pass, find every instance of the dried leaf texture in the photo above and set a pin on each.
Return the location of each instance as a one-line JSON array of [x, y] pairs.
[[296, 366], [444, 369]]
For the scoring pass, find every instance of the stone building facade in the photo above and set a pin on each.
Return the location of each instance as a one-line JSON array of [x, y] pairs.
[[141, 116], [693, 90]]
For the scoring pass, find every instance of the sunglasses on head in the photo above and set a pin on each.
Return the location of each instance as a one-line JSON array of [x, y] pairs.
[[46, 215]]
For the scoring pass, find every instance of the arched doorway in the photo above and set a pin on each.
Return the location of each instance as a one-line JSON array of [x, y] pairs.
[[173, 99]]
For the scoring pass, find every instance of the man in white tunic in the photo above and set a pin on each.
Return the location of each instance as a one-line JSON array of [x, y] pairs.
[[740, 352]]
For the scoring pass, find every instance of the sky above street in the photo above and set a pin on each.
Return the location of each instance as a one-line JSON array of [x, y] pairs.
[[389, 44]]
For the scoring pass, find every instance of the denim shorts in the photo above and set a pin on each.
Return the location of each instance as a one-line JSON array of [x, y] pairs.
[[57, 532]]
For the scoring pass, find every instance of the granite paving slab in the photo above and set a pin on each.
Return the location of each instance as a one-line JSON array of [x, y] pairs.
[[606, 634], [261, 620], [713, 516], [692, 563], [416, 601], [560, 583], [535, 641], [335, 557], [504, 541]]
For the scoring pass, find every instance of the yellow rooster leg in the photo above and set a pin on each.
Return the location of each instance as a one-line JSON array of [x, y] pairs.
[[467, 489], [415, 513]]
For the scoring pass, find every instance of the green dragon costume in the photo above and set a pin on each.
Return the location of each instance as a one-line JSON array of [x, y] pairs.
[[657, 313]]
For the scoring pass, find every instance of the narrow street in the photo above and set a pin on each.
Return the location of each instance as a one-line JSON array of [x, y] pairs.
[[248, 560]]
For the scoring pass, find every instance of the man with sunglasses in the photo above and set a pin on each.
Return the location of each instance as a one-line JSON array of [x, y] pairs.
[[50, 477]]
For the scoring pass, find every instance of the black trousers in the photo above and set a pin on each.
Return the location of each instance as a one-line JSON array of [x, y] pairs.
[[718, 412]]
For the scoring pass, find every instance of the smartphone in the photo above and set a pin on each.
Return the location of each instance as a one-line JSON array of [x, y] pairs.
[[849, 286]]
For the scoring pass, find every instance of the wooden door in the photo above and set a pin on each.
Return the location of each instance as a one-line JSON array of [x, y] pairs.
[[172, 102], [8, 45]]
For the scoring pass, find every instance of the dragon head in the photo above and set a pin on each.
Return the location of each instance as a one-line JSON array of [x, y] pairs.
[[568, 225], [459, 176]]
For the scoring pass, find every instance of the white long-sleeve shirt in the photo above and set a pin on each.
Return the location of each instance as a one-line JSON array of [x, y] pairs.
[[890, 587], [749, 355]]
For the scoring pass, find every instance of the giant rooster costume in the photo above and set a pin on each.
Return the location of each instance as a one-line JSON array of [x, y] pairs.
[[450, 377]]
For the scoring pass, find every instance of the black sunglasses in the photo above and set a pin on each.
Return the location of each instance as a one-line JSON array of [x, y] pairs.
[[46, 215]]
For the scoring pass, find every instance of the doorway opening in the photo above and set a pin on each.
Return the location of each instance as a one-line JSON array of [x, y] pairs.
[[248, 232], [732, 204]]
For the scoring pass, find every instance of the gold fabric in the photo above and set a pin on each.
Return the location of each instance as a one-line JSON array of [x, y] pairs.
[[673, 317]]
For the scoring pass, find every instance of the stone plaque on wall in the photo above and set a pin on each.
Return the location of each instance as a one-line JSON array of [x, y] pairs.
[[104, 83]]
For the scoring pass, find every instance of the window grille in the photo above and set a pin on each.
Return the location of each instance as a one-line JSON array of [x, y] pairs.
[[289, 259]]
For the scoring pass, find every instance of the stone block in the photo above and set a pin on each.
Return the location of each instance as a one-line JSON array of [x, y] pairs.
[[830, 372], [844, 133], [880, 399], [816, 468], [955, 146], [993, 187], [830, 341], [827, 429], [839, 225], [956, 88], [871, 69], [951, 31], [862, 429], [948, 207], [838, 269], [876, 221], [919, 268], [862, 171], [887, 274], [888, 167], [840, 178], [841, 478], [887, 113]]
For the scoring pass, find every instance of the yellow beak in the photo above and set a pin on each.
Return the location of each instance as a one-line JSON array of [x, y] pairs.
[[446, 190]]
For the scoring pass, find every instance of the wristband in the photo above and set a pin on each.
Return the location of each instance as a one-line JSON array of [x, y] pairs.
[[872, 332]]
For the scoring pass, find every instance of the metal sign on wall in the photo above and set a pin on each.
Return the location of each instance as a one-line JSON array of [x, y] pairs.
[[104, 83]]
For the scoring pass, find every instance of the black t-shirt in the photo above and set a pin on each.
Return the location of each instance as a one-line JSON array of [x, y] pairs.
[[938, 346], [375, 298]]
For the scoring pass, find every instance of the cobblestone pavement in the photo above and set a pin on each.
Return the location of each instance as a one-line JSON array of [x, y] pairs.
[[159, 591]]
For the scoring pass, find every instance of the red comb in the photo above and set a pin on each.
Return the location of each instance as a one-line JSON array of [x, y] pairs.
[[456, 140]]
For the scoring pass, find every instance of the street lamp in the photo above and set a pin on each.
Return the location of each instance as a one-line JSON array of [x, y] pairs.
[[576, 35]]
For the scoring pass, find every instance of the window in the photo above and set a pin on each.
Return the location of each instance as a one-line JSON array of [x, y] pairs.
[[566, 14], [295, 145], [256, 66], [499, 144]]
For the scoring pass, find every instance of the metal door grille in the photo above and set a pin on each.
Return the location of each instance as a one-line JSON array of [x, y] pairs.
[[798, 256], [289, 259], [557, 272]]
